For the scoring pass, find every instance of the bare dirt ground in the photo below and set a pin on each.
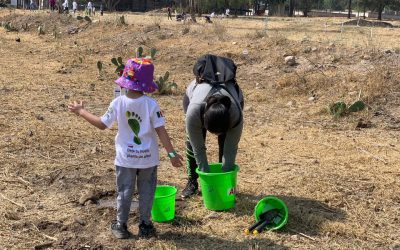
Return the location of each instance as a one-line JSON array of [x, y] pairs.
[[339, 177]]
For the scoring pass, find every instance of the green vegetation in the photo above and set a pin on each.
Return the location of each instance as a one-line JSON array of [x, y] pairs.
[[339, 109]]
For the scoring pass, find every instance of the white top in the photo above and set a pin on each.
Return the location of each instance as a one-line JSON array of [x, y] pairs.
[[136, 142], [65, 4], [89, 5], [227, 12], [74, 5]]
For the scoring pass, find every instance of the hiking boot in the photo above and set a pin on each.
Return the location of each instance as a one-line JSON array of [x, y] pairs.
[[119, 230], [146, 230], [190, 189]]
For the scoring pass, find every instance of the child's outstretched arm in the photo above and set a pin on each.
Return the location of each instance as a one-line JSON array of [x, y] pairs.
[[80, 110], [175, 158]]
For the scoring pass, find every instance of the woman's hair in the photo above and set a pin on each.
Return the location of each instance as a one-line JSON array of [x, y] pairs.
[[216, 114]]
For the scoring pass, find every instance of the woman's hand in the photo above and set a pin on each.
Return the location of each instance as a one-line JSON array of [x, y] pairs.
[[76, 107]]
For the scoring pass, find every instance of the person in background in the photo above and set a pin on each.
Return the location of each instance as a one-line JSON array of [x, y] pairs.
[[65, 7], [169, 13], [32, 5], [140, 121], [227, 12], [89, 7], [74, 6], [101, 9], [52, 4]]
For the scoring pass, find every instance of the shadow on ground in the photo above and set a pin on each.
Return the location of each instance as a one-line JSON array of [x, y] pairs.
[[196, 241]]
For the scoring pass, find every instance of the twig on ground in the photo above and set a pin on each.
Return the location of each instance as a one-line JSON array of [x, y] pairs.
[[44, 235], [373, 156], [301, 234], [13, 202]]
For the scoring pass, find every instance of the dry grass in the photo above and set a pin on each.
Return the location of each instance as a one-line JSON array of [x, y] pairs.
[[341, 184]]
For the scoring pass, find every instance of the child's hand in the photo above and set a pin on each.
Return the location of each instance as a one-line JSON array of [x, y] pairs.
[[76, 107], [177, 161]]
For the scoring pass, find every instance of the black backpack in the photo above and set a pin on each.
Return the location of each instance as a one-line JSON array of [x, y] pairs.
[[215, 69]]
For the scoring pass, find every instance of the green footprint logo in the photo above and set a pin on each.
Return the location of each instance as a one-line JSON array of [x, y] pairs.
[[134, 123]]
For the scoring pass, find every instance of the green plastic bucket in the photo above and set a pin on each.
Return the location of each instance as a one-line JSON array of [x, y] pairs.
[[164, 203], [218, 188], [272, 202]]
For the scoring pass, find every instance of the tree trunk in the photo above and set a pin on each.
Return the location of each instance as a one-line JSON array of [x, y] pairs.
[[291, 7], [365, 8], [349, 14], [380, 10]]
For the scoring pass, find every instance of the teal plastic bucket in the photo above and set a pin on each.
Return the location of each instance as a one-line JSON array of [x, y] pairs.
[[269, 203], [164, 203], [218, 188]]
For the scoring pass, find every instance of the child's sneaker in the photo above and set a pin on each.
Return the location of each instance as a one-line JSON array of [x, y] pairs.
[[146, 230], [119, 230]]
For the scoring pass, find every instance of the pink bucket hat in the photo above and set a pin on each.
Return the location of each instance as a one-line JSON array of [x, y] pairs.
[[138, 75]]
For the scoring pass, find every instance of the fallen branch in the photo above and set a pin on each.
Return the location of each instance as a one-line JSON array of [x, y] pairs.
[[13, 202], [373, 156], [44, 235], [44, 245], [301, 234]]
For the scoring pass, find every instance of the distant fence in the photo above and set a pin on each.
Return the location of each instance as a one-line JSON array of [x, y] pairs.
[[328, 14], [384, 16]]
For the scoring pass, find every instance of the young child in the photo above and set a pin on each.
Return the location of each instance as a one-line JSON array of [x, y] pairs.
[[139, 119]]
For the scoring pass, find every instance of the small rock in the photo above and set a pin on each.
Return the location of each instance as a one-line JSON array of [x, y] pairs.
[[89, 195], [307, 50], [291, 103], [40, 206], [40, 117], [290, 60], [248, 108], [66, 97], [267, 67], [294, 237], [332, 45], [213, 216], [388, 51], [366, 57], [313, 49], [12, 216], [18, 40], [30, 133], [80, 221], [311, 98], [95, 150], [396, 247], [234, 43]]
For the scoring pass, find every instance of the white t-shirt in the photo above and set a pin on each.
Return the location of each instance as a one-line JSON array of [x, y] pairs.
[[74, 5], [89, 5], [136, 142]]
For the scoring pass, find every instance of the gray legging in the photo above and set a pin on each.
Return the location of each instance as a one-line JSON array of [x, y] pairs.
[[146, 183]]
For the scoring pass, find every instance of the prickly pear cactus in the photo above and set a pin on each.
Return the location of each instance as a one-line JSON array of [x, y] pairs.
[[357, 106], [139, 52]]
